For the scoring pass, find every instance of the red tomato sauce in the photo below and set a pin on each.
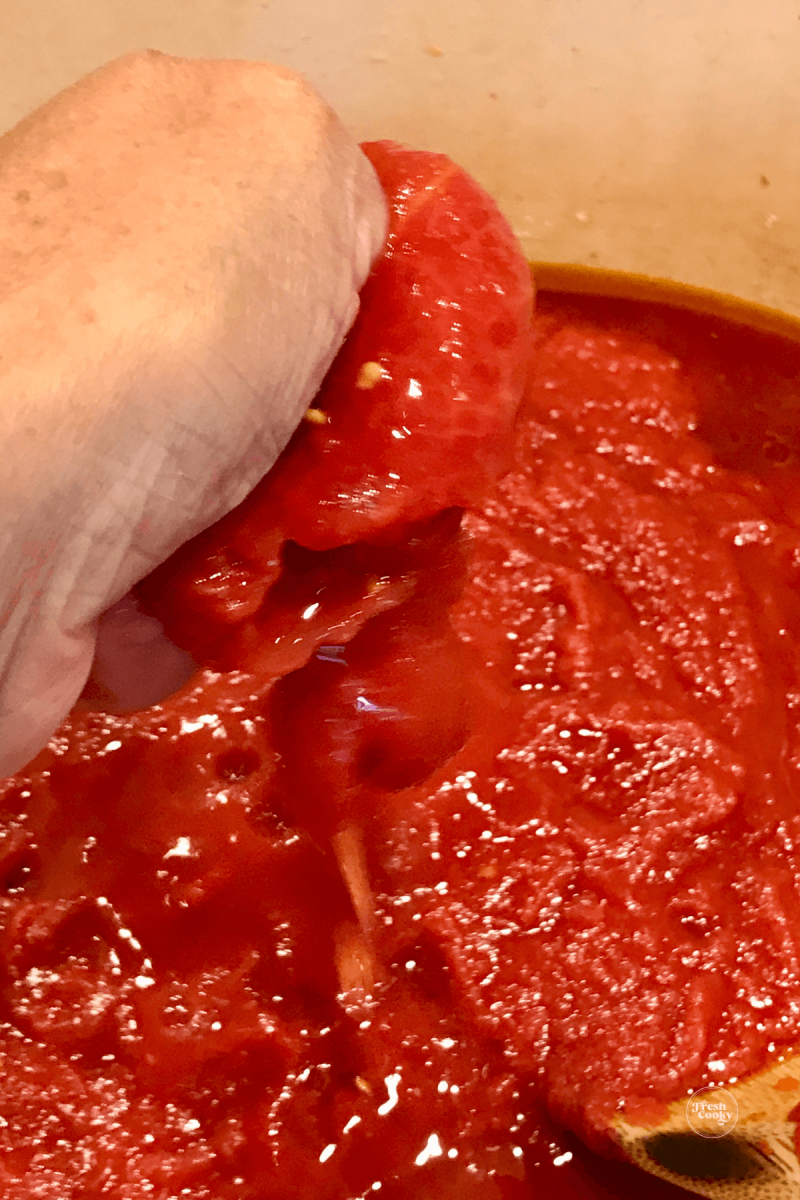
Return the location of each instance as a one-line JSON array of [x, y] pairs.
[[477, 823]]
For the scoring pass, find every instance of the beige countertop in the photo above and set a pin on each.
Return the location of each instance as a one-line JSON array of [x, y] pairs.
[[657, 136]]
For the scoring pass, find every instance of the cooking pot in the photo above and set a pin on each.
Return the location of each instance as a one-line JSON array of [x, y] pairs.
[[658, 139]]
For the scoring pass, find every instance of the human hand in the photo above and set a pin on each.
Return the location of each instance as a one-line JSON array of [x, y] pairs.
[[181, 249]]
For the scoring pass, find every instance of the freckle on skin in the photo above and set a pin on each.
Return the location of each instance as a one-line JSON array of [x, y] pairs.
[[54, 180]]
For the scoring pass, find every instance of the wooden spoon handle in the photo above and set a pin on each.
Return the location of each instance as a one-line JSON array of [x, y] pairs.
[[734, 1142]]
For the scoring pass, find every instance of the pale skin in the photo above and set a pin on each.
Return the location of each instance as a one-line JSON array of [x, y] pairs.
[[181, 248]]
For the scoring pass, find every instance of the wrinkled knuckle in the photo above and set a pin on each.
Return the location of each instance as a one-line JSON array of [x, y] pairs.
[[296, 86], [306, 106], [137, 66]]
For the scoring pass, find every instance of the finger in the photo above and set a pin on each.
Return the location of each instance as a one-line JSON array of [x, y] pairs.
[[135, 664]]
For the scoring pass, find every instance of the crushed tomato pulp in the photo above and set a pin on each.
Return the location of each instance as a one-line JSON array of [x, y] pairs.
[[478, 822]]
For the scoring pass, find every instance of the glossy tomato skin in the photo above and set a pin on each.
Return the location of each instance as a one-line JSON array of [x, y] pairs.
[[421, 398]]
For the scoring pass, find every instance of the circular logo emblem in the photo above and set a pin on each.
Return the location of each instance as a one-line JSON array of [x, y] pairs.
[[712, 1112]]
